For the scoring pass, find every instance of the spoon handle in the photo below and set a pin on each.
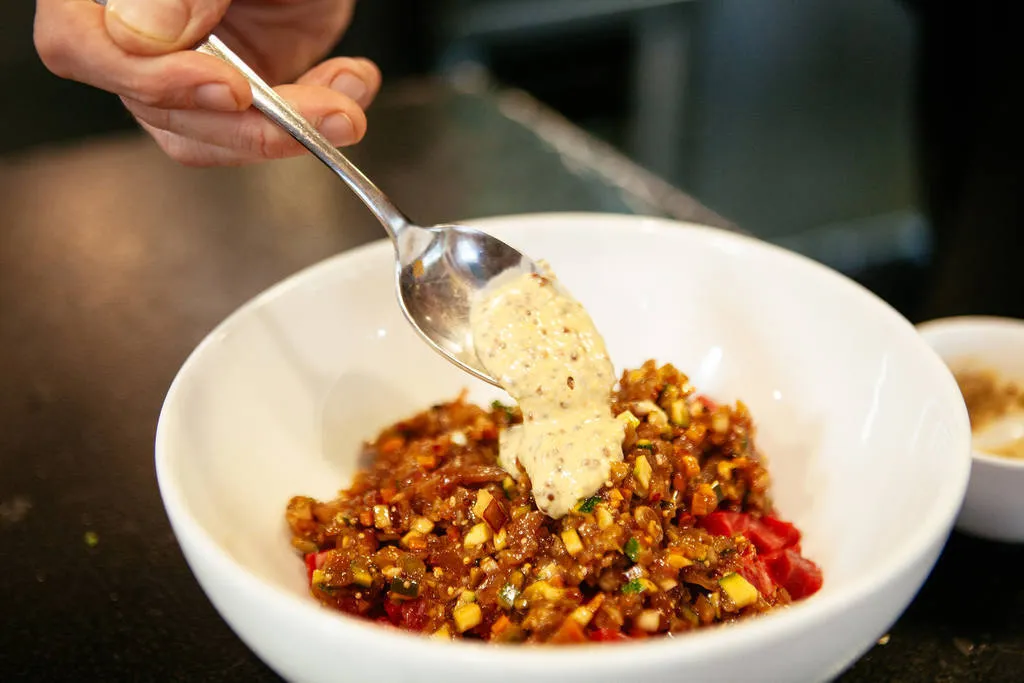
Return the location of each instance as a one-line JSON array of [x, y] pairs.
[[277, 109]]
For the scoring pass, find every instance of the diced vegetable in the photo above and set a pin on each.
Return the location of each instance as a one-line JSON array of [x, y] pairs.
[[467, 616], [569, 632], [483, 499], [585, 613], [632, 549], [542, 590], [588, 504], [639, 586], [645, 444], [507, 595], [604, 518], [628, 418], [677, 560], [649, 620], [678, 413], [572, 542], [477, 536], [405, 588], [500, 625], [314, 561], [381, 517], [495, 515], [422, 525], [443, 633], [501, 539], [361, 573], [642, 471], [740, 591], [581, 615], [413, 540]]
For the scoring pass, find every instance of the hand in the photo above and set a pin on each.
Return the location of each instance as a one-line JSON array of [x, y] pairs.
[[196, 107]]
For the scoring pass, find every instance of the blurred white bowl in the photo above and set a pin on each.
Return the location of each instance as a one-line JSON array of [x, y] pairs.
[[994, 505], [866, 431]]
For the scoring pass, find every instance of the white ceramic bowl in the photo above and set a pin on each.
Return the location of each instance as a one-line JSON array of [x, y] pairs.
[[994, 505], [867, 433]]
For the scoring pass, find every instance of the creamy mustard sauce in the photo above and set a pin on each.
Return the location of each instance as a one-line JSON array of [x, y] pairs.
[[543, 349]]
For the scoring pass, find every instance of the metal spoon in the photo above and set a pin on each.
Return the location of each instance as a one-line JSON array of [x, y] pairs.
[[438, 270]]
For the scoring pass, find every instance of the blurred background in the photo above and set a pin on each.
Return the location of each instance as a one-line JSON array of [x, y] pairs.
[[791, 119]]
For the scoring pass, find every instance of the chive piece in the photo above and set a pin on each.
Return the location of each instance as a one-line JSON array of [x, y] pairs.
[[508, 410], [588, 504], [632, 548], [634, 586], [507, 595]]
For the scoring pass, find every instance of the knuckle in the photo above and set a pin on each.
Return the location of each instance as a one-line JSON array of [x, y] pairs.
[[144, 90], [178, 150], [264, 141]]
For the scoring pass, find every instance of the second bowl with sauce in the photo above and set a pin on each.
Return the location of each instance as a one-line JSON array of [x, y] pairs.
[[986, 354]]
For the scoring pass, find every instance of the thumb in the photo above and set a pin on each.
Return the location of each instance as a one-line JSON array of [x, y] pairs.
[[155, 27]]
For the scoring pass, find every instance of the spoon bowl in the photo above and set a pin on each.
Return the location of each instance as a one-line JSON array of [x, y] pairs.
[[440, 271]]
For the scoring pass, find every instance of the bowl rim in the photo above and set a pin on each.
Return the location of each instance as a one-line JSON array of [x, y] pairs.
[[979, 324], [712, 642]]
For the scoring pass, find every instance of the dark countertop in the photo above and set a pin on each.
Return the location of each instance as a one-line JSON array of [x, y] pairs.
[[114, 263]]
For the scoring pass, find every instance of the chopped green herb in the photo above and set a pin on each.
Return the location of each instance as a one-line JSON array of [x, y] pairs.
[[634, 586], [645, 444], [588, 504], [507, 595], [509, 410], [632, 548], [92, 539]]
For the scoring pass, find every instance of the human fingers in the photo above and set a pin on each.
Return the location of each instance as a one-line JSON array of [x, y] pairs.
[[156, 27], [72, 40], [250, 133], [355, 77]]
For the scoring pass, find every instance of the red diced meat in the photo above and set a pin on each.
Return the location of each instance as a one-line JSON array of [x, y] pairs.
[[787, 531], [771, 535], [757, 574], [314, 561], [414, 615], [724, 523], [607, 634], [394, 611], [795, 573]]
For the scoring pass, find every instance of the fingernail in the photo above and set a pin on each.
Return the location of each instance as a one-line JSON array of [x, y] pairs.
[[162, 20], [338, 128], [349, 84], [215, 96]]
